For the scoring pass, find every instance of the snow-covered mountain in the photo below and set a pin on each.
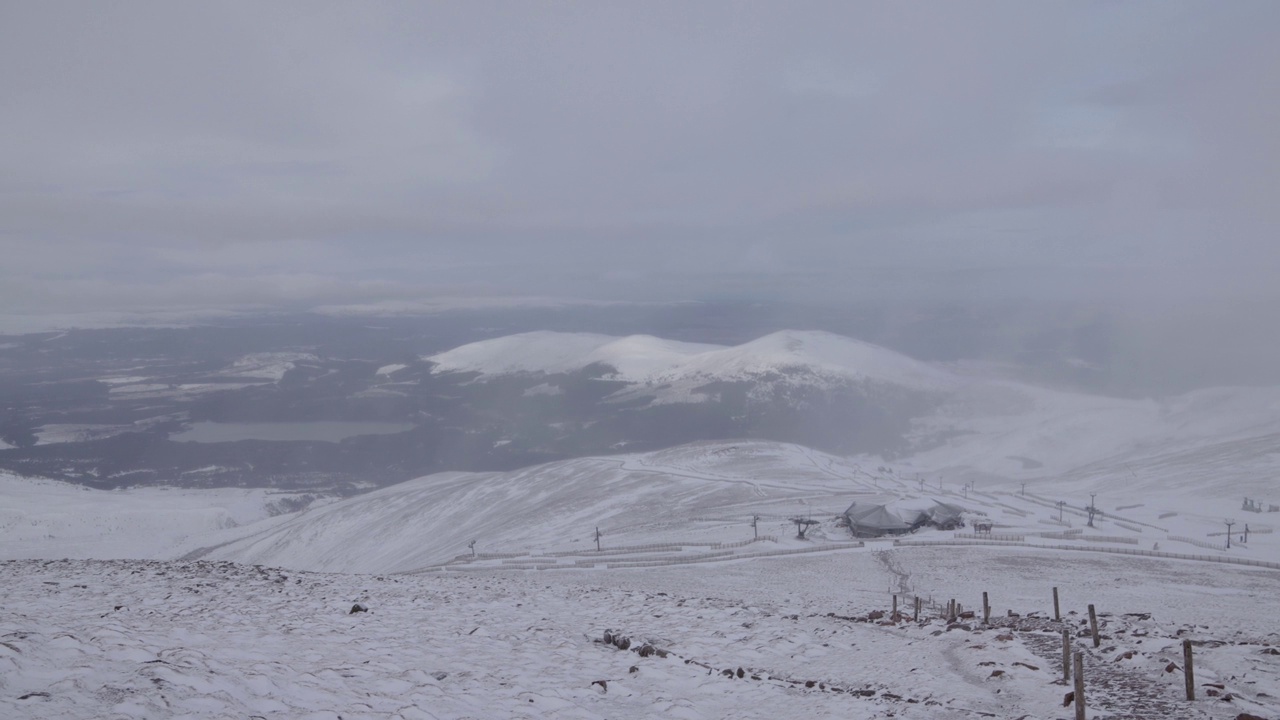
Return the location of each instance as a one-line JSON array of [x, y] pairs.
[[554, 394], [601, 393], [843, 395], [533, 398], [651, 360]]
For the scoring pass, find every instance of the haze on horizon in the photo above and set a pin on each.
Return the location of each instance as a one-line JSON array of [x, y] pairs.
[[1114, 156]]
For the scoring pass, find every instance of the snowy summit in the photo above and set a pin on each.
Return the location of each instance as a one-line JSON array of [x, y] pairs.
[[647, 359]]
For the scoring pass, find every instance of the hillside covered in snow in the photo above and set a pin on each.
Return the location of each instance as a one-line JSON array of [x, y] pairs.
[[489, 592], [232, 611]]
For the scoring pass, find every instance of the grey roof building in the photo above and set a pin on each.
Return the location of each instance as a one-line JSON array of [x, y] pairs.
[[880, 519]]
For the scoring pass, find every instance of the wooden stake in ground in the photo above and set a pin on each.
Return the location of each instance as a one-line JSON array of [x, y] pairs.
[[1057, 614], [895, 603], [1188, 673], [986, 610], [916, 616], [1079, 670], [1093, 626], [1066, 656]]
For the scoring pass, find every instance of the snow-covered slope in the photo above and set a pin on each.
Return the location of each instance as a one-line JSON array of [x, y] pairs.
[[1205, 442], [673, 495], [683, 503], [512, 631], [48, 518], [646, 359], [86, 640], [690, 500]]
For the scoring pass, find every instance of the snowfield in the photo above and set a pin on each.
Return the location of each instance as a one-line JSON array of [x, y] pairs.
[[771, 638], [489, 594], [52, 519], [514, 629]]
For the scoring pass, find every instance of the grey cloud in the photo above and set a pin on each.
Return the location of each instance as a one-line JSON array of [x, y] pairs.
[[394, 148]]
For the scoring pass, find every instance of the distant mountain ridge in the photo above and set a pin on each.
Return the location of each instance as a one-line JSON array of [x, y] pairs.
[[497, 404], [644, 358], [526, 399], [606, 393]]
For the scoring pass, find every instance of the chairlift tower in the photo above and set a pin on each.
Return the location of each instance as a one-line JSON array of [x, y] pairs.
[[1229, 524], [802, 525]]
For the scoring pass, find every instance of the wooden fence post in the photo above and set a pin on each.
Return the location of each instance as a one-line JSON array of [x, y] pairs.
[[986, 609], [1188, 673], [1057, 614], [916, 617], [1093, 626], [1066, 656], [895, 603], [1079, 672]]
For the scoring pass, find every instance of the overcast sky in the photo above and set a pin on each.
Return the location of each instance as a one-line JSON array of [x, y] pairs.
[[183, 154]]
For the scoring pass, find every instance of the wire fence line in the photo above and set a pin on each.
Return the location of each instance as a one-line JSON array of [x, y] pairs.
[[991, 536], [1198, 543], [1051, 521], [1124, 540]]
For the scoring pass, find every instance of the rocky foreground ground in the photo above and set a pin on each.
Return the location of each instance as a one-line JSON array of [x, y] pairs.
[[140, 639]]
